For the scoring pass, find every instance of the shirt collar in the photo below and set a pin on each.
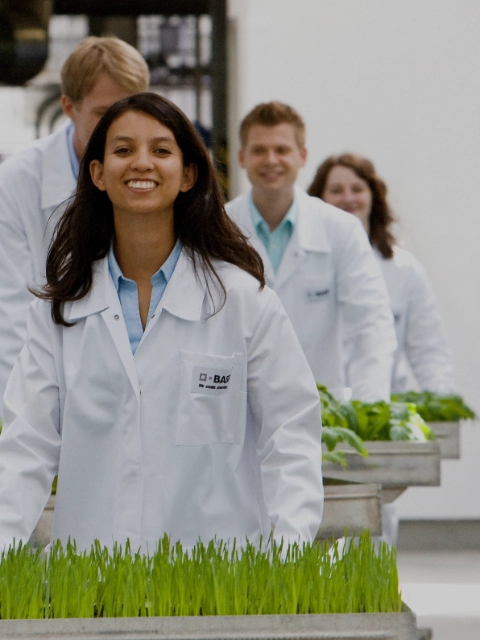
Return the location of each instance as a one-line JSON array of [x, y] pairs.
[[167, 268], [72, 154], [258, 221]]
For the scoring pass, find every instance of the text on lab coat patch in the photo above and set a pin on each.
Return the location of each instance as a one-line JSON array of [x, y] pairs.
[[210, 380]]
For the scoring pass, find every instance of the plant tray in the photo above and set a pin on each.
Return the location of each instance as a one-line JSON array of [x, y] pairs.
[[395, 465], [350, 505], [448, 437], [362, 626]]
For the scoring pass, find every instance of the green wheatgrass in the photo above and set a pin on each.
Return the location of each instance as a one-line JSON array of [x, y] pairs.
[[213, 579]]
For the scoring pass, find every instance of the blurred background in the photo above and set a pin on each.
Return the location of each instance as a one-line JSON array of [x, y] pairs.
[[395, 81]]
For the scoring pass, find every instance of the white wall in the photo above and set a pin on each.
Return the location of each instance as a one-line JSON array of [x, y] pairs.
[[399, 82]]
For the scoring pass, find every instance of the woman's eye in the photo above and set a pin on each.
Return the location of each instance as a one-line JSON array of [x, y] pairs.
[[121, 150], [162, 151]]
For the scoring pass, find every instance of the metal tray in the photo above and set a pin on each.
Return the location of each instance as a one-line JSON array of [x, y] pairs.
[[448, 437], [394, 465], [350, 505], [352, 626]]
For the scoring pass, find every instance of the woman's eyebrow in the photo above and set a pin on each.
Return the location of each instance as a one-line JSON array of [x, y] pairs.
[[129, 138]]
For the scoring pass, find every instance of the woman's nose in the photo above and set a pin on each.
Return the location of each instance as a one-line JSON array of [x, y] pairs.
[[142, 161]]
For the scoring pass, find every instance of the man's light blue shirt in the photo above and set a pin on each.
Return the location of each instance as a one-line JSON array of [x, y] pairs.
[[128, 292], [72, 154], [275, 241]]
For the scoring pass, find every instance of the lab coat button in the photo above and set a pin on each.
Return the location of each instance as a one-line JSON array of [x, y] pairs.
[[116, 316]]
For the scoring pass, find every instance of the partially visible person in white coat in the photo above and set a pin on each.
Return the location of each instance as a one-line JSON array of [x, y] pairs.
[[317, 259], [36, 183], [350, 182], [161, 379]]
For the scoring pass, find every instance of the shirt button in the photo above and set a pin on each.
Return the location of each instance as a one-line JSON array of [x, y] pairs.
[[116, 316]]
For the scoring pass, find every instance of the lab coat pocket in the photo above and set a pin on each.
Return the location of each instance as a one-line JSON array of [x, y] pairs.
[[211, 398]]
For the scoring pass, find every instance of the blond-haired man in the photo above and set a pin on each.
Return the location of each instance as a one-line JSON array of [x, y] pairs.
[[35, 183], [317, 258]]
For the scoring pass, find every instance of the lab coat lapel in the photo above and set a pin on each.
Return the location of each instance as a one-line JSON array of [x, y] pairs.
[[293, 258], [183, 296], [185, 291], [102, 298], [58, 182], [309, 235]]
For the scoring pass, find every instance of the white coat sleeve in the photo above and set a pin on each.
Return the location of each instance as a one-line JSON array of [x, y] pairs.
[[284, 402], [19, 198], [367, 319], [30, 439], [426, 345]]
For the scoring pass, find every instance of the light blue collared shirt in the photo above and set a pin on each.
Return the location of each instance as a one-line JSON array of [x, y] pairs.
[[128, 292], [275, 241], [72, 154]]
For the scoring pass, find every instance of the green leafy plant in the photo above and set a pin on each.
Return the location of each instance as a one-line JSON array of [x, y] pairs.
[[437, 408], [335, 429], [212, 579], [375, 421], [332, 436]]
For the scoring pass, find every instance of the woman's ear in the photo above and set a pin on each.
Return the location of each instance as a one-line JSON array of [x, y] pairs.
[[190, 174], [96, 173]]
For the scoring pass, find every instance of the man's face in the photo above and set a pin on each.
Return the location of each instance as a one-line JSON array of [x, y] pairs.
[[86, 113], [272, 158]]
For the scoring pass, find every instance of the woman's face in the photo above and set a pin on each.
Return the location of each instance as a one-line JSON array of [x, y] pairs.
[[345, 190], [142, 170]]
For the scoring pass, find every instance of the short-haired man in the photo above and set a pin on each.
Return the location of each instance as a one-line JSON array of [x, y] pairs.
[[317, 258], [35, 183]]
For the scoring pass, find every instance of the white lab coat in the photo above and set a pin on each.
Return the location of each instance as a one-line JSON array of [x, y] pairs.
[[420, 331], [141, 448], [334, 294], [33, 185]]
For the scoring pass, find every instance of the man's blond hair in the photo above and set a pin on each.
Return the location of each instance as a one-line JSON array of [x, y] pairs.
[[270, 114], [93, 56]]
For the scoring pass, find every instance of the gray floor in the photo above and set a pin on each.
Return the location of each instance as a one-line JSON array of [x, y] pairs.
[[443, 588]]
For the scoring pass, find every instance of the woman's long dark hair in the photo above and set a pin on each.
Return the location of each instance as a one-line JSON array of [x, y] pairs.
[[85, 231], [381, 216]]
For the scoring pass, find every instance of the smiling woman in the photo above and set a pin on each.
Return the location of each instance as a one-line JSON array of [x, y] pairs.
[[161, 379], [142, 172], [350, 182]]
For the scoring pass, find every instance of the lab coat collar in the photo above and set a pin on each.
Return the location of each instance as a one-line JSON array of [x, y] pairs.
[[101, 296], [309, 231], [58, 182], [183, 296]]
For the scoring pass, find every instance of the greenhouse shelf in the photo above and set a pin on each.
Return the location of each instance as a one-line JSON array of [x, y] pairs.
[[358, 626], [353, 506], [448, 437], [394, 465]]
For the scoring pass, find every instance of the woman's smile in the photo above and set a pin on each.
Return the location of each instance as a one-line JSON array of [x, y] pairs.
[[141, 185]]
